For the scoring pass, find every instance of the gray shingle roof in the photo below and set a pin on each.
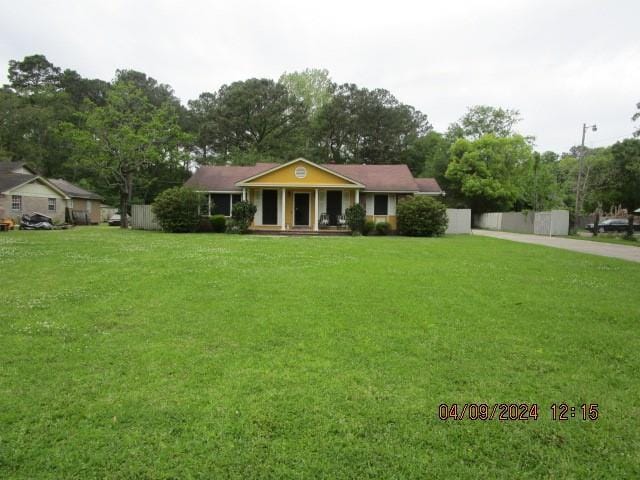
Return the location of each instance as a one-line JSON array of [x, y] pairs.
[[224, 178], [428, 185], [381, 178], [11, 180], [73, 190]]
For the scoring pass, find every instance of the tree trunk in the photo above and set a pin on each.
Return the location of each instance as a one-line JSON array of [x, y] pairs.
[[125, 199], [124, 206]]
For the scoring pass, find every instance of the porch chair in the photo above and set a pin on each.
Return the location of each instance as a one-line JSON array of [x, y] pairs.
[[324, 220], [341, 221]]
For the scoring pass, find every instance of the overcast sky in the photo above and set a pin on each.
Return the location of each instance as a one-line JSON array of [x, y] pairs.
[[561, 63]]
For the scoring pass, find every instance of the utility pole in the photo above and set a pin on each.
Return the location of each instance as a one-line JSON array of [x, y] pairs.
[[580, 160]]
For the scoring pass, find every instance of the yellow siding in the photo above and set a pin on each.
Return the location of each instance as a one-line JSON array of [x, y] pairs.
[[286, 176]]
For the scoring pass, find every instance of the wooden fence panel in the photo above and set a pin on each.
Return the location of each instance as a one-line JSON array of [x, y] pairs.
[[142, 218]]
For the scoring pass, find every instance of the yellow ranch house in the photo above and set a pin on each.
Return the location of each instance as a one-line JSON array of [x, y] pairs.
[[306, 196]]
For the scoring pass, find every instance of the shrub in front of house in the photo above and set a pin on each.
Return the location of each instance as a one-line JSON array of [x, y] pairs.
[[383, 228], [205, 225], [218, 223], [369, 227], [355, 218], [177, 210], [242, 215], [421, 216]]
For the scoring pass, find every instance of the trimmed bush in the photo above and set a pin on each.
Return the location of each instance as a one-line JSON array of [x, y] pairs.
[[383, 228], [369, 227], [355, 216], [421, 216], [242, 215], [205, 225], [219, 223], [177, 210]]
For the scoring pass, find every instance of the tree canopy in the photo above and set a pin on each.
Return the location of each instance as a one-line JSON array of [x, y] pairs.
[[99, 133]]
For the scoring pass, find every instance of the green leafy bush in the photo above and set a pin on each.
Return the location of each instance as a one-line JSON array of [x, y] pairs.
[[369, 226], [219, 223], [242, 215], [421, 216], [177, 209], [383, 228], [355, 216], [205, 225]]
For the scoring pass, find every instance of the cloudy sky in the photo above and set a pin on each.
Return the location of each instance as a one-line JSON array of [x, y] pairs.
[[561, 63]]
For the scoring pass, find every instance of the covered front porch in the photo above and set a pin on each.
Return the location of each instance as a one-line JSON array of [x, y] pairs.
[[301, 208]]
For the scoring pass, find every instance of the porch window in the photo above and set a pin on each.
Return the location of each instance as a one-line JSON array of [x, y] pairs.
[[16, 202], [51, 202], [381, 204]]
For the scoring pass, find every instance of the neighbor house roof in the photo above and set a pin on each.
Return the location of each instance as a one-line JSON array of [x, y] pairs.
[[73, 190], [428, 185], [375, 178], [9, 181], [223, 178], [12, 167]]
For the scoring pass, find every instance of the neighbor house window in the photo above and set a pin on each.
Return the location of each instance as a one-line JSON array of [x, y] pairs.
[[16, 202], [381, 205], [52, 204]]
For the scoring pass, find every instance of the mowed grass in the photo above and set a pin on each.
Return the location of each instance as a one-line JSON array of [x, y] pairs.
[[148, 355]]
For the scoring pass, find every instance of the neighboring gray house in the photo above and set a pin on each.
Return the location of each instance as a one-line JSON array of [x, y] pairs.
[[83, 204], [22, 191]]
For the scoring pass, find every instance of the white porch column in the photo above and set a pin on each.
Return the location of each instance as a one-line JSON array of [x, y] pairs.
[[315, 222], [244, 194], [357, 196], [282, 213]]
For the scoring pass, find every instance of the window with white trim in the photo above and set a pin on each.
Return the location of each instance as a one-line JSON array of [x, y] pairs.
[[16, 202], [223, 203], [51, 202], [381, 204]]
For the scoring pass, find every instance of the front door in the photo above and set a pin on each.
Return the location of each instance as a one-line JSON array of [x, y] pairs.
[[334, 205], [269, 207], [301, 206]]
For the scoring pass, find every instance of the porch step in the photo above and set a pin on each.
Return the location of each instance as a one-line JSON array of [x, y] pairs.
[[302, 233]]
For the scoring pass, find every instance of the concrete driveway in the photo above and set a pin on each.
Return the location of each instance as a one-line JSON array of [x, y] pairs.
[[583, 246]]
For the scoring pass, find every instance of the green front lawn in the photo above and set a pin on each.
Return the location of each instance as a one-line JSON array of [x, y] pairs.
[[149, 355]]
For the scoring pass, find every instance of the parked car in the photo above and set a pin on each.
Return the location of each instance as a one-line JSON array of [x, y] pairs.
[[116, 219], [613, 225]]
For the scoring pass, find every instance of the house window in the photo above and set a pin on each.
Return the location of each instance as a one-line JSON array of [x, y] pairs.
[[381, 205], [16, 202], [52, 204], [223, 203]]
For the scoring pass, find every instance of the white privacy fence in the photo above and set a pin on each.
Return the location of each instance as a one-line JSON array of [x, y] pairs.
[[459, 220], [554, 222], [142, 218]]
